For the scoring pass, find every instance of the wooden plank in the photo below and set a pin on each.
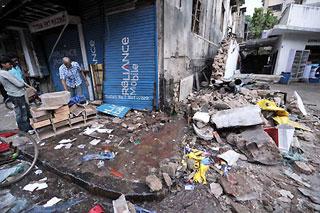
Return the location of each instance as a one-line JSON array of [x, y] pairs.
[[76, 110], [35, 112], [41, 118], [40, 124], [60, 118], [64, 108]]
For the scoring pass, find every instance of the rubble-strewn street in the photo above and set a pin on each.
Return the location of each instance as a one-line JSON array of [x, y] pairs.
[[171, 150], [159, 106]]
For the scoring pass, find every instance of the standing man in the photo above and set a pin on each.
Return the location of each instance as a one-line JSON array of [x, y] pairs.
[[70, 76], [15, 89], [16, 69]]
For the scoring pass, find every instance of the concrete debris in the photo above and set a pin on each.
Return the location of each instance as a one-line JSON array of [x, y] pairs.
[[237, 117], [167, 179], [313, 195], [257, 145], [204, 117], [285, 193], [258, 77], [296, 178], [205, 133], [216, 189], [230, 156], [154, 183], [247, 197], [219, 61], [300, 104], [170, 168], [302, 167], [120, 205]]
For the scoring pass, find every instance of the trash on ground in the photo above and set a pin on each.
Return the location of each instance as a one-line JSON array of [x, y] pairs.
[[101, 156], [120, 205], [95, 142], [38, 185], [52, 202], [96, 209], [67, 140], [206, 133], [38, 172], [65, 145], [189, 187], [230, 156], [12, 171]]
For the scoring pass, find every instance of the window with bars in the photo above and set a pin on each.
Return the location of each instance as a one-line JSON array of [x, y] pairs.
[[196, 15]]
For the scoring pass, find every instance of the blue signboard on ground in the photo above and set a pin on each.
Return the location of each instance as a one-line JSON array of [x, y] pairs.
[[111, 109], [131, 59]]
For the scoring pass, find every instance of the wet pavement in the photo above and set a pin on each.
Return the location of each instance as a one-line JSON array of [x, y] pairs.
[[57, 187], [126, 173]]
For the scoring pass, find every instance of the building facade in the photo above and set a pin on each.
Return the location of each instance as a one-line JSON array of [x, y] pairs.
[[136, 52]]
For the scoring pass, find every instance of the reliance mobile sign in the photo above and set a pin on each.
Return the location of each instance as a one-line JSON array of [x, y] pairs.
[[49, 22], [130, 79]]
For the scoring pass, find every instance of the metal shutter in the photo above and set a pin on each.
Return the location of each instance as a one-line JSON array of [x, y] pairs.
[[139, 27], [69, 45]]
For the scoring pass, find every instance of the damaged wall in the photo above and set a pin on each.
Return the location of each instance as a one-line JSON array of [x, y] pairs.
[[185, 52], [182, 47]]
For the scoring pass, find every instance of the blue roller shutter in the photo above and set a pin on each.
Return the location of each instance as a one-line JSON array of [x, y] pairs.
[[94, 37], [69, 45], [130, 69]]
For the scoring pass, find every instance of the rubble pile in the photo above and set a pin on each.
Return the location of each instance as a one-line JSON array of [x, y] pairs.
[[220, 59], [237, 143]]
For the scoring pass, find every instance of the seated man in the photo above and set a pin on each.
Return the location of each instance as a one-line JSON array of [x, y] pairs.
[[70, 76], [16, 91]]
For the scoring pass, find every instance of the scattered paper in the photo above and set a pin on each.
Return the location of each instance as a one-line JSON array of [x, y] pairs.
[[36, 186], [67, 140], [189, 187], [38, 172], [52, 202], [67, 146], [59, 146], [81, 146], [109, 131], [95, 142], [230, 157], [89, 131]]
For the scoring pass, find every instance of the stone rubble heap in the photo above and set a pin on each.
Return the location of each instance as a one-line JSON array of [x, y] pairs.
[[220, 59]]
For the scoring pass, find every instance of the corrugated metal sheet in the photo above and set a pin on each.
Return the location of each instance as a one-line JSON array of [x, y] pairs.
[[131, 49], [69, 45]]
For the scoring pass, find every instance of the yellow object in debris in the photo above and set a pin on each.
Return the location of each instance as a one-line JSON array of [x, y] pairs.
[[286, 120], [268, 105], [200, 176], [196, 155]]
